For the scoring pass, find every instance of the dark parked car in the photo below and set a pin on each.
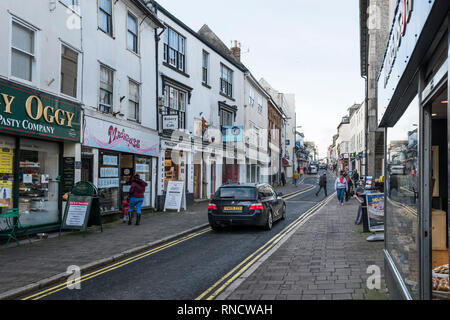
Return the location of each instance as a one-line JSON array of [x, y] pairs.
[[246, 204]]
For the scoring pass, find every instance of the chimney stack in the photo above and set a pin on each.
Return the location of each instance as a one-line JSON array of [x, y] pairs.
[[236, 50]]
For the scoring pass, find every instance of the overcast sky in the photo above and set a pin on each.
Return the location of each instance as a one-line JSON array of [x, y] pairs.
[[309, 48]]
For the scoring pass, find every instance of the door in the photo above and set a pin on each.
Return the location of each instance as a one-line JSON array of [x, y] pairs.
[[197, 180], [87, 165]]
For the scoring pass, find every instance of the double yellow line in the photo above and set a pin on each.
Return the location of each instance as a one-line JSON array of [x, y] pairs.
[[112, 267], [237, 271], [122, 263]]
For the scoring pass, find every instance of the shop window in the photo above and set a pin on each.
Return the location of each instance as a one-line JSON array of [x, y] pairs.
[[38, 183], [402, 193], [172, 166], [6, 173], [143, 169], [108, 181]]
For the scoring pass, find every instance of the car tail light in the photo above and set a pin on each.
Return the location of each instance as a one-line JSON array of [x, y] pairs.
[[212, 206], [257, 206]]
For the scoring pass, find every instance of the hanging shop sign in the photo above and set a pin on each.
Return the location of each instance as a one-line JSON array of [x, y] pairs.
[[170, 122], [110, 136], [232, 133], [31, 112]]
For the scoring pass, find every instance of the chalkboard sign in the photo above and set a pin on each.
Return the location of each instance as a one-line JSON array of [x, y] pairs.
[[68, 173]]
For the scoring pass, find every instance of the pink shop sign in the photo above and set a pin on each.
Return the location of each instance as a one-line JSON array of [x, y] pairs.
[[110, 136]]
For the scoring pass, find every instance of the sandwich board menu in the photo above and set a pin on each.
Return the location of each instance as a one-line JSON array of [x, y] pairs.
[[175, 196]]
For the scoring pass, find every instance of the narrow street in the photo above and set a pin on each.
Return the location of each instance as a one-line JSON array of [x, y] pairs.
[[185, 270]]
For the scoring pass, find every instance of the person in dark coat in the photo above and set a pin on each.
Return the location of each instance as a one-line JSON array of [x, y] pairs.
[[322, 184], [283, 178], [136, 195]]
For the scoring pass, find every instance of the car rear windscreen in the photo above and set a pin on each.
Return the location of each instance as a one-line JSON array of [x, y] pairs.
[[238, 193]]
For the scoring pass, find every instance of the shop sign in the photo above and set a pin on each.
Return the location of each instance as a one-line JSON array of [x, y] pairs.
[[110, 136], [232, 133], [31, 112], [170, 122], [406, 30], [175, 146], [176, 196]]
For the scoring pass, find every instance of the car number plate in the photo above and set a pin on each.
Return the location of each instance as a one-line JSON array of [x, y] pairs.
[[232, 208]]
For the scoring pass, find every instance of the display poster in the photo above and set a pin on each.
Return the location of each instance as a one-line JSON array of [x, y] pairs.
[[68, 173], [107, 172], [27, 178], [76, 214], [6, 160], [375, 211], [175, 196], [110, 160], [104, 183], [5, 194]]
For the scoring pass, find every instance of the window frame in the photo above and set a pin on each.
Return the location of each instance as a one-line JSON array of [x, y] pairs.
[[226, 83], [77, 71], [136, 103], [33, 56], [136, 36], [179, 57], [110, 18], [111, 107], [173, 105], [205, 69]]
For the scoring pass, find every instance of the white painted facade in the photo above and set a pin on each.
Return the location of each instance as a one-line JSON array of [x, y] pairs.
[[255, 126], [112, 52], [203, 103]]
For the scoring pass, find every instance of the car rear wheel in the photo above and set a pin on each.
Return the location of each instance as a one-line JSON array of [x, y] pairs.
[[269, 222]]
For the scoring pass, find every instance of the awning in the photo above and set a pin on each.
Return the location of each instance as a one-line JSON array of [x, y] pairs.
[[286, 162]]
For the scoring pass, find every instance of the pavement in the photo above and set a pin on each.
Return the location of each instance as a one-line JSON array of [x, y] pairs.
[[30, 267], [327, 258]]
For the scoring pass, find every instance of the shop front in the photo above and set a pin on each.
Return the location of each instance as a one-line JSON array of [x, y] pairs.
[[36, 128], [176, 159], [413, 110], [117, 154]]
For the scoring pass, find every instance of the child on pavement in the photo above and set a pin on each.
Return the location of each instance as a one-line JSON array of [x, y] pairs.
[[296, 176], [341, 186]]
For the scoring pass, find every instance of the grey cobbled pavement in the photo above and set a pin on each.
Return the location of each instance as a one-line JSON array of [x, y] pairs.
[[327, 258]]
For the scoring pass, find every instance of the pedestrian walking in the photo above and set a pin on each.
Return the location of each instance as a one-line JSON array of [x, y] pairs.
[[302, 172], [136, 195], [349, 192], [340, 186], [296, 177], [322, 184], [283, 179]]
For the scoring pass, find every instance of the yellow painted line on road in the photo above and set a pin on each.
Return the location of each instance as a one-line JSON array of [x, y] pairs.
[[114, 266], [298, 193], [250, 260]]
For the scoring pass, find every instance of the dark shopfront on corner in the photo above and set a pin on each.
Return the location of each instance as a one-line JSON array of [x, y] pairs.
[[413, 110], [36, 131]]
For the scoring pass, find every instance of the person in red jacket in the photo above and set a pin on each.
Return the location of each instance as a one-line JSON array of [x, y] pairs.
[[136, 195]]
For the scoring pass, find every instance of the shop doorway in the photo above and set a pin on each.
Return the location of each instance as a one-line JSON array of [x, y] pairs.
[[197, 180], [439, 192], [87, 163]]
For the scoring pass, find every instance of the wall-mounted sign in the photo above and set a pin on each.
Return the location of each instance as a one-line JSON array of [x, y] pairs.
[[232, 133], [106, 135], [27, 111], [170, 122]]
